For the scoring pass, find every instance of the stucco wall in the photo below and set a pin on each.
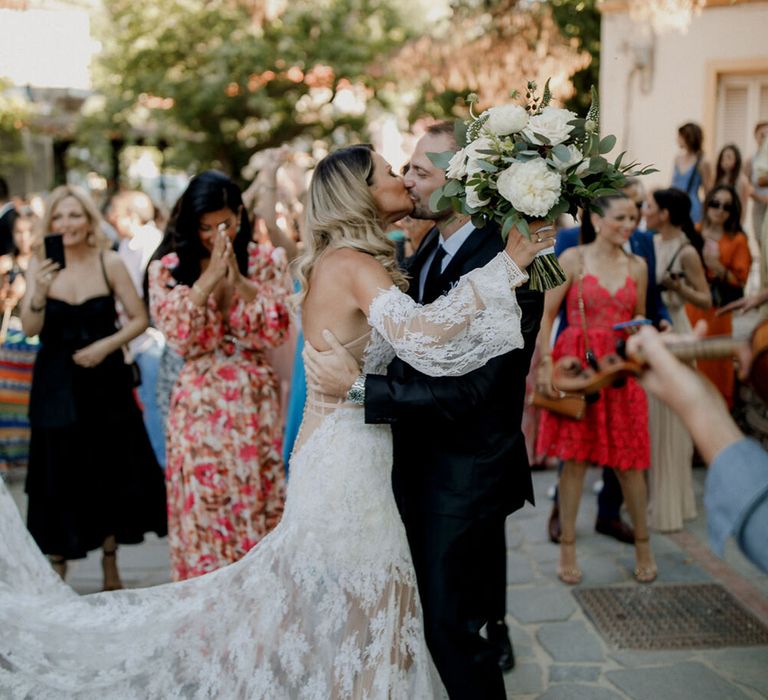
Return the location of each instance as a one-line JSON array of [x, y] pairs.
[[680, 87]]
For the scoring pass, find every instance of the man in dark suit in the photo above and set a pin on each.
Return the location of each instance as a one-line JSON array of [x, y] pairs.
[[460, 463]]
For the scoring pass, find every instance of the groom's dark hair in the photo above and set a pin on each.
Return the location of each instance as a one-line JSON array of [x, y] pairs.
[[443, 128]]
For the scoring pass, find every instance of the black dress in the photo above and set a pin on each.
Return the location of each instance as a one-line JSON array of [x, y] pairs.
[[92, 472]]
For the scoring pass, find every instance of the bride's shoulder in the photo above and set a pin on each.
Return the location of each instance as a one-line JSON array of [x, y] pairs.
[[348, 262]]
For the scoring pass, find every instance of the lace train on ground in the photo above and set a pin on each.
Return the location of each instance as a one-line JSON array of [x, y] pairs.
[[325, 606]]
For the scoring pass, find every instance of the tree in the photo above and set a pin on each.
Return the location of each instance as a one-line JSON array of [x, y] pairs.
[[491, 47], [221, 79]]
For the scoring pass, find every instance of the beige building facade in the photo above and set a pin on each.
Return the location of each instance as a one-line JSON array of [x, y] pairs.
[[715, 73]]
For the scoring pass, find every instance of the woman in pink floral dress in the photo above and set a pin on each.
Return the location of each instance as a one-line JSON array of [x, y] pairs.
[[220, 300]]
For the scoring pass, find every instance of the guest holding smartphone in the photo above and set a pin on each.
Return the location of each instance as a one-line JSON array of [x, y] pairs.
[[93, 480]]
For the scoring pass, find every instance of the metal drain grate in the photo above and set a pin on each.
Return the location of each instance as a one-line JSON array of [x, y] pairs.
[[697, 616]]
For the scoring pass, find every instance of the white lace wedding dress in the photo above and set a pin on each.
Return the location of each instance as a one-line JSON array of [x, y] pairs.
[[326, 606]]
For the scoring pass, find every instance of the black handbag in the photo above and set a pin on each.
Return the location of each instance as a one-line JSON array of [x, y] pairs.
[[723, 292]]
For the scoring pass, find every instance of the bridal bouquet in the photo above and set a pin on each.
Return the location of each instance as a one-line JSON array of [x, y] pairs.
[[531, 162]]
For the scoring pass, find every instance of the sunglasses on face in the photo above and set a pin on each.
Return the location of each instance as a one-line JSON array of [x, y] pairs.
[[715, 204]]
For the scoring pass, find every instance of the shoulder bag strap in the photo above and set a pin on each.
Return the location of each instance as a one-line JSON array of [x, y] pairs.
[[694, 170], [588, 354]]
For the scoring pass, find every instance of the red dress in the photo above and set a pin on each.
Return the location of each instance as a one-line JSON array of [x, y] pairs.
[[614, 430]]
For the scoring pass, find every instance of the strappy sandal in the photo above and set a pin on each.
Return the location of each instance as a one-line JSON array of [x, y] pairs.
[[110, 554], [570, 575], [59, 564], [645, 574]]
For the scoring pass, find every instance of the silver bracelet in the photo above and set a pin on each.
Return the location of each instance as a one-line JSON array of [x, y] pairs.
[[356, 393]]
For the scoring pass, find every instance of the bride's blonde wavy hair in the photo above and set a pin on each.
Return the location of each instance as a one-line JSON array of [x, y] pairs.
[[341, 213]]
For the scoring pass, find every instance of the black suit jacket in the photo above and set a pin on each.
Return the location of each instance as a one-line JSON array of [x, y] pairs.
[[458, 448]]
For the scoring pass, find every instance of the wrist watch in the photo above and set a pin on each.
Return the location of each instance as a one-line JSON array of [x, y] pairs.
[[356, 393]]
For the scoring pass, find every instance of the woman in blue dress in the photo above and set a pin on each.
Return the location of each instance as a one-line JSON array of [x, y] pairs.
[[692, 172]]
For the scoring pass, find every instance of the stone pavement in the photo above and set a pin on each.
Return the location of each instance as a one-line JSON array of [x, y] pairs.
[[560, 655]]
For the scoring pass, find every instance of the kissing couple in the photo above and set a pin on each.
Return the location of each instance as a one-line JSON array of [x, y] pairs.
[[329, 604]]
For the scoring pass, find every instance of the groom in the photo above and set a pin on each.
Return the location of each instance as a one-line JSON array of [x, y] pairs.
[[460, 463]]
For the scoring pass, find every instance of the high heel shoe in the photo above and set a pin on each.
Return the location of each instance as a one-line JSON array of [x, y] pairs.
[[648, 573], [570, 575]]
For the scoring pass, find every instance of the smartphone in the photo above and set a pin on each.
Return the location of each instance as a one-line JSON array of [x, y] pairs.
[[633, 324], [54, 248]]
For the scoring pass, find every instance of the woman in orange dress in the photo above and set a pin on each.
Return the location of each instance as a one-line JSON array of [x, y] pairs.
[[727, 260]]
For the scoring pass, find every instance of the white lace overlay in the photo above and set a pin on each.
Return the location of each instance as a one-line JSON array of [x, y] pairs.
[[459, 332], [326, 606]]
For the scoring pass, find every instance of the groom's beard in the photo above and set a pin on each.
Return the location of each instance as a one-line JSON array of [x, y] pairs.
[[422, 211]]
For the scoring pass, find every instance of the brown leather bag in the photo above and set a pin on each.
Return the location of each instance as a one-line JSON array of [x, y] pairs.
[[567, 405]]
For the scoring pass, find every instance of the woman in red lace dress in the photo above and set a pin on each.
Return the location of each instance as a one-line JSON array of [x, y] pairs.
[[614, 431], [220, 300]]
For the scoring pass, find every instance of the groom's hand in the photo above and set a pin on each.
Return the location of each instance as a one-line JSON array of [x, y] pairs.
[[331, 372]]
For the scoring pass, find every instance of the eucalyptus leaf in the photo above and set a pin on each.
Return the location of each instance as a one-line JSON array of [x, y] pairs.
[[441, 160], [452, 187], [561, 152], [437, 202], [486, 166], [607, 144], [544, 139]]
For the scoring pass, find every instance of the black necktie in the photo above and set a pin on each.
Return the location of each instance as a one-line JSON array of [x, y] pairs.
[[432, 286]]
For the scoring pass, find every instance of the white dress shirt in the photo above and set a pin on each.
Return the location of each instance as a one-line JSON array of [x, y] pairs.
[[451, 247]]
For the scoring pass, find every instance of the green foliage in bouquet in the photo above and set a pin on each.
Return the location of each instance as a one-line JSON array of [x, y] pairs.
[[519, 163]]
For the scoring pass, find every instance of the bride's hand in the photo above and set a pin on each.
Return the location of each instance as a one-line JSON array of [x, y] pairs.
[[331, 372], [522, 250]]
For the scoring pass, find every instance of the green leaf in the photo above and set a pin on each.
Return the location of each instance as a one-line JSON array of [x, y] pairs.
[[486, 166], [542, 138], [441, 160], [452, 187], [607, 144], [509, 222], [617, 162], [561, 152], [438, 202], [460, 133]]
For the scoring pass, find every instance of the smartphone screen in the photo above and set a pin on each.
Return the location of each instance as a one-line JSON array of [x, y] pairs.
[[54, 248]]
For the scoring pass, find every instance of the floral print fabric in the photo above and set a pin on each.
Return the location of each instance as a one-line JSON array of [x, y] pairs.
[[224, 475]]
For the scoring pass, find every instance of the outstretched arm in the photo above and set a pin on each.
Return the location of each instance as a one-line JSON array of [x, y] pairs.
[[459, 332]]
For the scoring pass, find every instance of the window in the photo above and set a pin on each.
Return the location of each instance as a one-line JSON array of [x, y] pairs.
[[742, 101]]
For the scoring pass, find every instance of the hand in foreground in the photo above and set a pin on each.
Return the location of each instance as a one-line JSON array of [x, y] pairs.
[[692, 397], [522, 250], [744, 304], [331, 372], [93, 354]]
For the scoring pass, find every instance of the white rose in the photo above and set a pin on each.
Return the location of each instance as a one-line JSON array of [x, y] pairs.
[[530, 186], [551, 123], [506, 119], [574, 156], [473, 154], [457, 166], [473, 199]]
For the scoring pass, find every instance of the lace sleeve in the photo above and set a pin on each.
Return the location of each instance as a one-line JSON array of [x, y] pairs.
[[459, 332]]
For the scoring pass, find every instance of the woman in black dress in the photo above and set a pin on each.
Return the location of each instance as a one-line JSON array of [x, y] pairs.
[[93, 480]]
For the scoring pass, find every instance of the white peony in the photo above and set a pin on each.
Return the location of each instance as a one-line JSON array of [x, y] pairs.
[[506, 119], [574, 156], [473, 154], [530, 186], [473, 199], [551, 123], [457, 166]]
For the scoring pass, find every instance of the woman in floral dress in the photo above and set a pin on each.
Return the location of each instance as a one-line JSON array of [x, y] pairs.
[[220, 300]]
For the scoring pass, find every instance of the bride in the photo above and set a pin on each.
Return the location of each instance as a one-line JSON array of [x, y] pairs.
[[326, 606]]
